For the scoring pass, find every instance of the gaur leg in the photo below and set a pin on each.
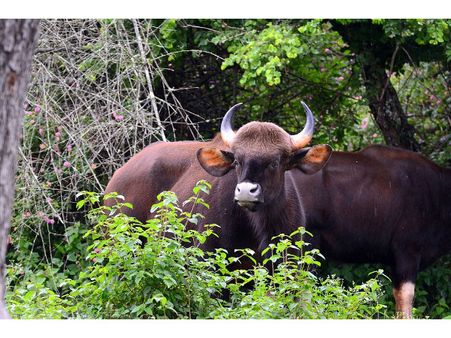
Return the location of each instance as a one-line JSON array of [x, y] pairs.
[[404, 294], [404, 276]]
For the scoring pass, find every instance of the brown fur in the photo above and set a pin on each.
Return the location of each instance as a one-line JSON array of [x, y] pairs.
[[262, 138], [381, 204], [173, 166]]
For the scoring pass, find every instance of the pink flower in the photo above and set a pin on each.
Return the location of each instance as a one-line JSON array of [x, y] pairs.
[[327, 51], [69, 147], [340, 78], [29, 113], [118, 117], [67, 164], [96, 250], [37, 109], [364, 123], [42, 146], [48, 220], [41, 131]]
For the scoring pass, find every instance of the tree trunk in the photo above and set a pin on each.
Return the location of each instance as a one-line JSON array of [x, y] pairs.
[[17, 42], [377, 53], [386, 108]]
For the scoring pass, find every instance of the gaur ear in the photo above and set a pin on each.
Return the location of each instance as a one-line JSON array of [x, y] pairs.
[[215, 162], [310, 160]]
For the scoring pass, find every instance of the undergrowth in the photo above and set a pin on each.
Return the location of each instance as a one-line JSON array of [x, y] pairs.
[[158, 270]]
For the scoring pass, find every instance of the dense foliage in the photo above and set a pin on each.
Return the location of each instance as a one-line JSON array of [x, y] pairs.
[[104, 89], [156, 270]]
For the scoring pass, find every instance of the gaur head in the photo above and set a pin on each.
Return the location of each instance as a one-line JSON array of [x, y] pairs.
[[260, 153]]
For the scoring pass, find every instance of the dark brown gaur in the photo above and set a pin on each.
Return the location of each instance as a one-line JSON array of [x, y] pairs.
[[381, 204], [261, 155], [253, 196]]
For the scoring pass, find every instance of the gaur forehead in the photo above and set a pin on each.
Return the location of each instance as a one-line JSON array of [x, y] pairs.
[[263, 138]]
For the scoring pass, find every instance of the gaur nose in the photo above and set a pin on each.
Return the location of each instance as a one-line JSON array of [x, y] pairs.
[[247, 191]]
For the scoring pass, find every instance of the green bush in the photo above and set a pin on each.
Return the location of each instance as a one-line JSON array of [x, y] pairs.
[[158, 270]]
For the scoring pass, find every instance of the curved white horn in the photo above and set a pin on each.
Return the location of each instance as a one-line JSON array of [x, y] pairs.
[[305, 136], [227, 132]]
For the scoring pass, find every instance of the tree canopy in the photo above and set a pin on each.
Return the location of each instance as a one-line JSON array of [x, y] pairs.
[[344, 68]]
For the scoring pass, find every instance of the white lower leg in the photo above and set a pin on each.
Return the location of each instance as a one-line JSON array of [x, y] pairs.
[[404, 299]]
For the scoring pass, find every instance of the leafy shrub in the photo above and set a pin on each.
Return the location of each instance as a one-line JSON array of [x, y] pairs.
[[158, 270], [432, 287]]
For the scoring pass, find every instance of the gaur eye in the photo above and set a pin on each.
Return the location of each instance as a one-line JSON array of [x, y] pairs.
[[274, 164]]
